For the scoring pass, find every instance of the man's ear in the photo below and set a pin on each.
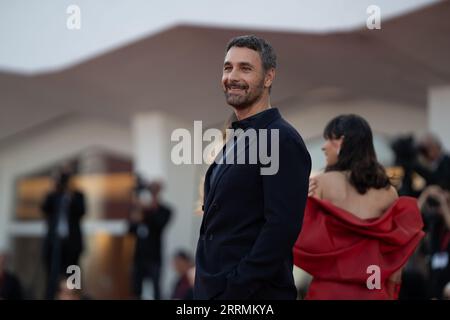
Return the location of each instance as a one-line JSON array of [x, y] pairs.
[[270, 76]]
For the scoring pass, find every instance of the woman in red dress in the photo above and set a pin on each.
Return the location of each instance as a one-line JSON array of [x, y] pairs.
[[357, 233]]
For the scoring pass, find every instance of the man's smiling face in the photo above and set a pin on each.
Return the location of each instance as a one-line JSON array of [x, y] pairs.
[[243, 77]]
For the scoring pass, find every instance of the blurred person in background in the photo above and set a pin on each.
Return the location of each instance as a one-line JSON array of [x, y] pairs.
[[435, 205], [415, 275], [63, 209], [425, 157], [10, 287], [64, 291], [183, 289], [355, 224], [148, 220], [435, 164]]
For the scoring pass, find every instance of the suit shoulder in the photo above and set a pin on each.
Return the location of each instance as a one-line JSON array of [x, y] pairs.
[[287, 131], [290, 141]]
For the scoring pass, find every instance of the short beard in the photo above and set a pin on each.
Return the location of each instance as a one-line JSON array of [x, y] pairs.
[[244, 101]]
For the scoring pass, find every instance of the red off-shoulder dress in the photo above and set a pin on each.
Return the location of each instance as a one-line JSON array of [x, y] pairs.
[[344, 253]]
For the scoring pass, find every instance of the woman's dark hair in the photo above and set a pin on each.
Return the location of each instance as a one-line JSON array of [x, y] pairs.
[[357, 153]]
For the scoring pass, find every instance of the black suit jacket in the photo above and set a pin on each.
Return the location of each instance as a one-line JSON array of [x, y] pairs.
[[251, 221]]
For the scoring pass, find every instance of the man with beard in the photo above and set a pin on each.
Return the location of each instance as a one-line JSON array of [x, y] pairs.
[[251, 220]]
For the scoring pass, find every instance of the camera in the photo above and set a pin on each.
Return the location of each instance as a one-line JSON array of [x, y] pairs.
[[432, 203], [139, 184]]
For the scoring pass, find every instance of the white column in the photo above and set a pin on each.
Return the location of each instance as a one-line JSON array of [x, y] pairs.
[[150, 145], [152, 149], [439, 113], [4, 217]]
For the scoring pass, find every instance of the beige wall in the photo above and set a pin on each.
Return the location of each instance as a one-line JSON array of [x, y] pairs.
[[439, 113], [388, 119]]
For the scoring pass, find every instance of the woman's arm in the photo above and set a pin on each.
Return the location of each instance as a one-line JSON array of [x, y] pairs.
[[315, 189]]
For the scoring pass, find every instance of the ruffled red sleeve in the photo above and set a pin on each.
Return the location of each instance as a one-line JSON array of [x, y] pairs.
[[341, 250]]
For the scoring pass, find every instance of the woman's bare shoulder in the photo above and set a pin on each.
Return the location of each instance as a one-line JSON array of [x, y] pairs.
[[384, 198], [391, 194], [330, 184], [333, 177]]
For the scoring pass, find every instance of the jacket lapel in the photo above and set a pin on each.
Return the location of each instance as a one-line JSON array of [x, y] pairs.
[[209, 192], [206, 186], [208, 189]]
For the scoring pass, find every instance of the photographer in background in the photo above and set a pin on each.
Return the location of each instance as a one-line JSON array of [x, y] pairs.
[[183, 265], [63, 209], [405, 157], [427, 272], [436, 167], [148, 220], [435, 206], [425, 157]]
